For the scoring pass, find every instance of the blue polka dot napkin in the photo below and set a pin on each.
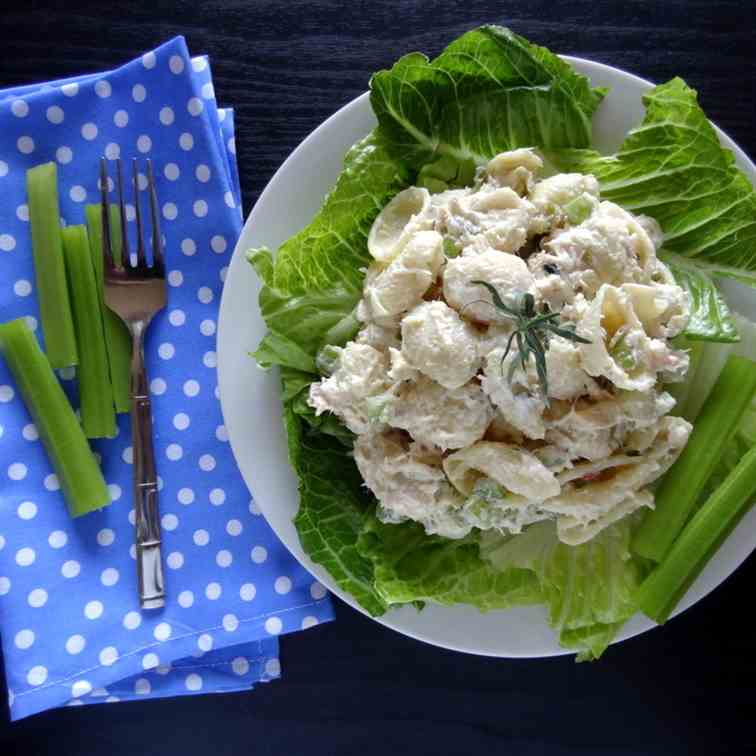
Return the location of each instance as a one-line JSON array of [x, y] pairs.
[[72, 631]]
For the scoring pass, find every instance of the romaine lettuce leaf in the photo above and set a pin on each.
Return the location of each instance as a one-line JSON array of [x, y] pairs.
[[589, 589], [673, 168], [410, 565], [489, 91]]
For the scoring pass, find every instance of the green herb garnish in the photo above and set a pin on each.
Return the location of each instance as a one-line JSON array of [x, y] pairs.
[[532, 333]]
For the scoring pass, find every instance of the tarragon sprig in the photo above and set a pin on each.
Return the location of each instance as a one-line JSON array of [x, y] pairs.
[[531, 333]]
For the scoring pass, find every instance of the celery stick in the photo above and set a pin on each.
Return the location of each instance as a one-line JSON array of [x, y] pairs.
[[49, 266], [715, 426], [117, 336], [662, 590], [64, 441], [95, 391]]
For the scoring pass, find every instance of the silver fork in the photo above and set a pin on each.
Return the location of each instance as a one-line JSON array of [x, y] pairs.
[[135, 293]]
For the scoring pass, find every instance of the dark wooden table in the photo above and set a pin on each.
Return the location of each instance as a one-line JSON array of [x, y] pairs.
[[353, 687]]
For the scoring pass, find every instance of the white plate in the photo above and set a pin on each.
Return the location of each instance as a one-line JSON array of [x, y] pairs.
[[252, 406]]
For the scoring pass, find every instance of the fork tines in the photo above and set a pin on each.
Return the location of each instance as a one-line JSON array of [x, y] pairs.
[[157, 268]]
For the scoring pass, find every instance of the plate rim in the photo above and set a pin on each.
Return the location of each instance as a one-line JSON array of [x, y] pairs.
[[390, 619]]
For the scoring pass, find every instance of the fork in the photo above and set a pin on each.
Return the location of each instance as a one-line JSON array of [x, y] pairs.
[[135, 291]]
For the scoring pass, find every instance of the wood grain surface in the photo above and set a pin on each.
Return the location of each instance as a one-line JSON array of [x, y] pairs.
[[353, 687]]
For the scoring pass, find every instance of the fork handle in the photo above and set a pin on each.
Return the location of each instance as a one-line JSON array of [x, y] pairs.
[[148, 539]]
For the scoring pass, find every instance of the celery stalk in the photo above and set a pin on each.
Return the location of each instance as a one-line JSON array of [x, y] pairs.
[[49, 266], [681, 486], [64, 441], [93, 373], [660, 593], [117, 337]]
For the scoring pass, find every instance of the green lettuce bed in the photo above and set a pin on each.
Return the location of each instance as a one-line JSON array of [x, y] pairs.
[[489, 91]]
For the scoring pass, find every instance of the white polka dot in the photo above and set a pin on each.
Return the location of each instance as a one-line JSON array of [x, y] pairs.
[[273, 625], [217, 496], [207, 462], [36, 675], [93, 610], [170, 522], [273, 667], [199, 64], [75, 644], [103, 88], [188, 247], [17, 471], [309, 621], [205, 294], [282, 585], [317, 591], [166, 116], [142, 686], [234, 527], [221, 433], [5, 585], [109, 577], [24, 639], [77, 193], [70, 569], [176, 64], [170, 211], [55, 114], [30, 433], [207, 327], [37, 598], [108, 656], [132, 516], [207, 91], [175, 560], [230, 622], [218, 244], [171, 171], [105, 537], [195, 106], [112, 151], [27, 510], [25, 556], [228, 198], [138, 93], [22, 288], [231, 144], [191, 387], [240, 666], [150, 661], [7, 243], [121, 118], [148, 60], [70, 90], [115, 491], [247, 592], [162, 631], [144, 143], [158, 386], [224, 558], [89, 131], [213, 591], [185, 599], [175, 277], [205, 642], [3, 168], [201, 537], [202, 172], [199, 208], [57, 539], [185, 496], [259, 554], [166, 351], [22, 212], [6, 393], [20, 108], [193, 682]]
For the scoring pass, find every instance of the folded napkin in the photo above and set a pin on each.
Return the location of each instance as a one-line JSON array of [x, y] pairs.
[[71, 627]]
